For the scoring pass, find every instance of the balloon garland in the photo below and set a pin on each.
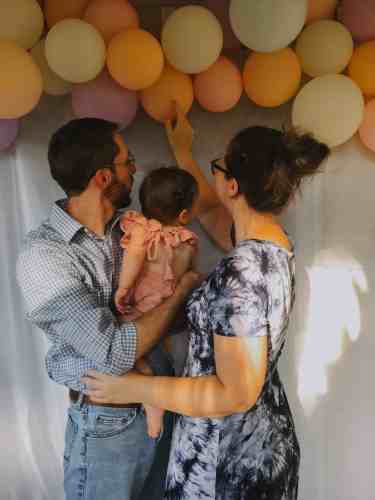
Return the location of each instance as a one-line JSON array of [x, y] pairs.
[[98, 51]]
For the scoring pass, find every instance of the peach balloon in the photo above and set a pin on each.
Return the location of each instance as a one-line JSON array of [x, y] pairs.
[[320, 9], [21, 83], [135, 59], [362, 68], [111, 16], [367, 128], [173, 85], [57, 10], [219, 88], [270, 79]]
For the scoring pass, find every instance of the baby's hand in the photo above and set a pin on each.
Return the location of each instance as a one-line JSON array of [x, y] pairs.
[[120, 296]]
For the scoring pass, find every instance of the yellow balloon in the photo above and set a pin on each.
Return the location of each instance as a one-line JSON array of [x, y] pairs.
[[75, 50], [324, 47], [52, 83], [262, 71], [267, 25], [20, 82], [21, 21], [362, 68], [192, 39], [331, 107]]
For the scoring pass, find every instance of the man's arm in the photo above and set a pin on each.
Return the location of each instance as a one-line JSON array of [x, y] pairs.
[[58, 301]]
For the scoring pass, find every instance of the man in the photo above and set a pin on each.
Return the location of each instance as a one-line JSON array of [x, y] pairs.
[[68, 271]]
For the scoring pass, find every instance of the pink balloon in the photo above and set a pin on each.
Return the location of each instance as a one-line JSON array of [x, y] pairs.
[[219, 88], [8, 133], [367, 128], [221, 10], [104, 98], [359, 17]]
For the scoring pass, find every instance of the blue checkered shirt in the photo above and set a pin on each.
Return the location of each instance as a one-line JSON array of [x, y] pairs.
[[68, 275]]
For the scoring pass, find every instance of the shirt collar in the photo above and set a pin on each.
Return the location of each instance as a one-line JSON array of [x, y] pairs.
[[67, 226]]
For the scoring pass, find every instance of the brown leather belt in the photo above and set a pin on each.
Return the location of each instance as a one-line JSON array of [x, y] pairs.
[[74, 396]]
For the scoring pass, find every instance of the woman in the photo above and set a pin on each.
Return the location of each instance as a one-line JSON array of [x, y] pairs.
[[234, 437]]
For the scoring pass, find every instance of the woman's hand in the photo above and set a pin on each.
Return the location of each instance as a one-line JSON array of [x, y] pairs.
[[180, 136], [112, 389]]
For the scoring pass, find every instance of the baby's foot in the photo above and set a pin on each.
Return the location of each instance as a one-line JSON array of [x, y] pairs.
[[154, 417]]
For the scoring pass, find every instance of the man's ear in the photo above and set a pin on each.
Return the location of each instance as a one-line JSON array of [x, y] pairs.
[[103, 178], [232, 187]]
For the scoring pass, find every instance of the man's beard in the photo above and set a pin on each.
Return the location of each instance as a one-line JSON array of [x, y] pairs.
[[118, 194]]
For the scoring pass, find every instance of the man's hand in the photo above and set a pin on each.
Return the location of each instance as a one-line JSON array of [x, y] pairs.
[[180, 135]]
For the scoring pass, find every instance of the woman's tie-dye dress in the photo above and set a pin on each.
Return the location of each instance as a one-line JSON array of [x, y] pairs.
[[252, 455]]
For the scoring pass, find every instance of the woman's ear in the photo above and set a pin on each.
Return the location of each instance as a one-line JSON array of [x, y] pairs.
[[232, 187]]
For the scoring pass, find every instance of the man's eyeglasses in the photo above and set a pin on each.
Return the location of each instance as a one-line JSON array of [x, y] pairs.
[[215, 166], [130, 161]]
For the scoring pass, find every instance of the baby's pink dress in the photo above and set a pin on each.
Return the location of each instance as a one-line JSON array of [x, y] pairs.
[[156, 281]]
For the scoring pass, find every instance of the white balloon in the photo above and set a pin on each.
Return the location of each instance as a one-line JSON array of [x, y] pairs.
[[267, 25], [331, 107]]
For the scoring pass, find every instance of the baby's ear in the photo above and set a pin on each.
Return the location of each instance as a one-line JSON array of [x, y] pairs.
[[184, 217]]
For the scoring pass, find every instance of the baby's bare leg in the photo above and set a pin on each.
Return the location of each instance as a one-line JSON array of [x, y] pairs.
[[154, 416]]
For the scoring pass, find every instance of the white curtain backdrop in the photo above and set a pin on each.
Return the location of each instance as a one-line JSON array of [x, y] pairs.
[[327, 366]]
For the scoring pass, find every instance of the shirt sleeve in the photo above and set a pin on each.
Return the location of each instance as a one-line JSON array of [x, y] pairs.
[[59, 302], [238, 299]]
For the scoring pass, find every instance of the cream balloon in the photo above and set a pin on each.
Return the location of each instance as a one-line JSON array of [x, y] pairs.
[[75, 50], [324, 47], [192, 39], [267, 25], [52, 83], [330, 107], [21, 21]]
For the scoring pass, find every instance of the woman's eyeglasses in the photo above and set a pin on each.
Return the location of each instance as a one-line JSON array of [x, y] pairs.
[[215, 166]]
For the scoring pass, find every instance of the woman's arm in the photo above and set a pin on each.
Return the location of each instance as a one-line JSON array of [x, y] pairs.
[[241, 368], [211, 213]]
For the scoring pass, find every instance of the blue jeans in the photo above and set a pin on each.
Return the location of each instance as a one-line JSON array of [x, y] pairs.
[[108, 453]]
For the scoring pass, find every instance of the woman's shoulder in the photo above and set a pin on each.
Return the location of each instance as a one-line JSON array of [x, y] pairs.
[[254, 258]]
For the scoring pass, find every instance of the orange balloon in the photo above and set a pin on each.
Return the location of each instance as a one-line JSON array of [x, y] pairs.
[[173, 85], [362, 68], [21, 82], [270, 79], [57, 10], [219, 88], [367, 128], [320, 9], [135, 59], [110, 17]]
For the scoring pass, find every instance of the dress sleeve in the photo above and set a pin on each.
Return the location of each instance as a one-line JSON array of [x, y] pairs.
[[237, 299], [135, 228]]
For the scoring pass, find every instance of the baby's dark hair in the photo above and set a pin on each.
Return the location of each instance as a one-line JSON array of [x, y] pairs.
[[269, 165], [166, 192]]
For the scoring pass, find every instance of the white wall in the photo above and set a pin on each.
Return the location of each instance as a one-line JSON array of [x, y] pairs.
[[327, 366]]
